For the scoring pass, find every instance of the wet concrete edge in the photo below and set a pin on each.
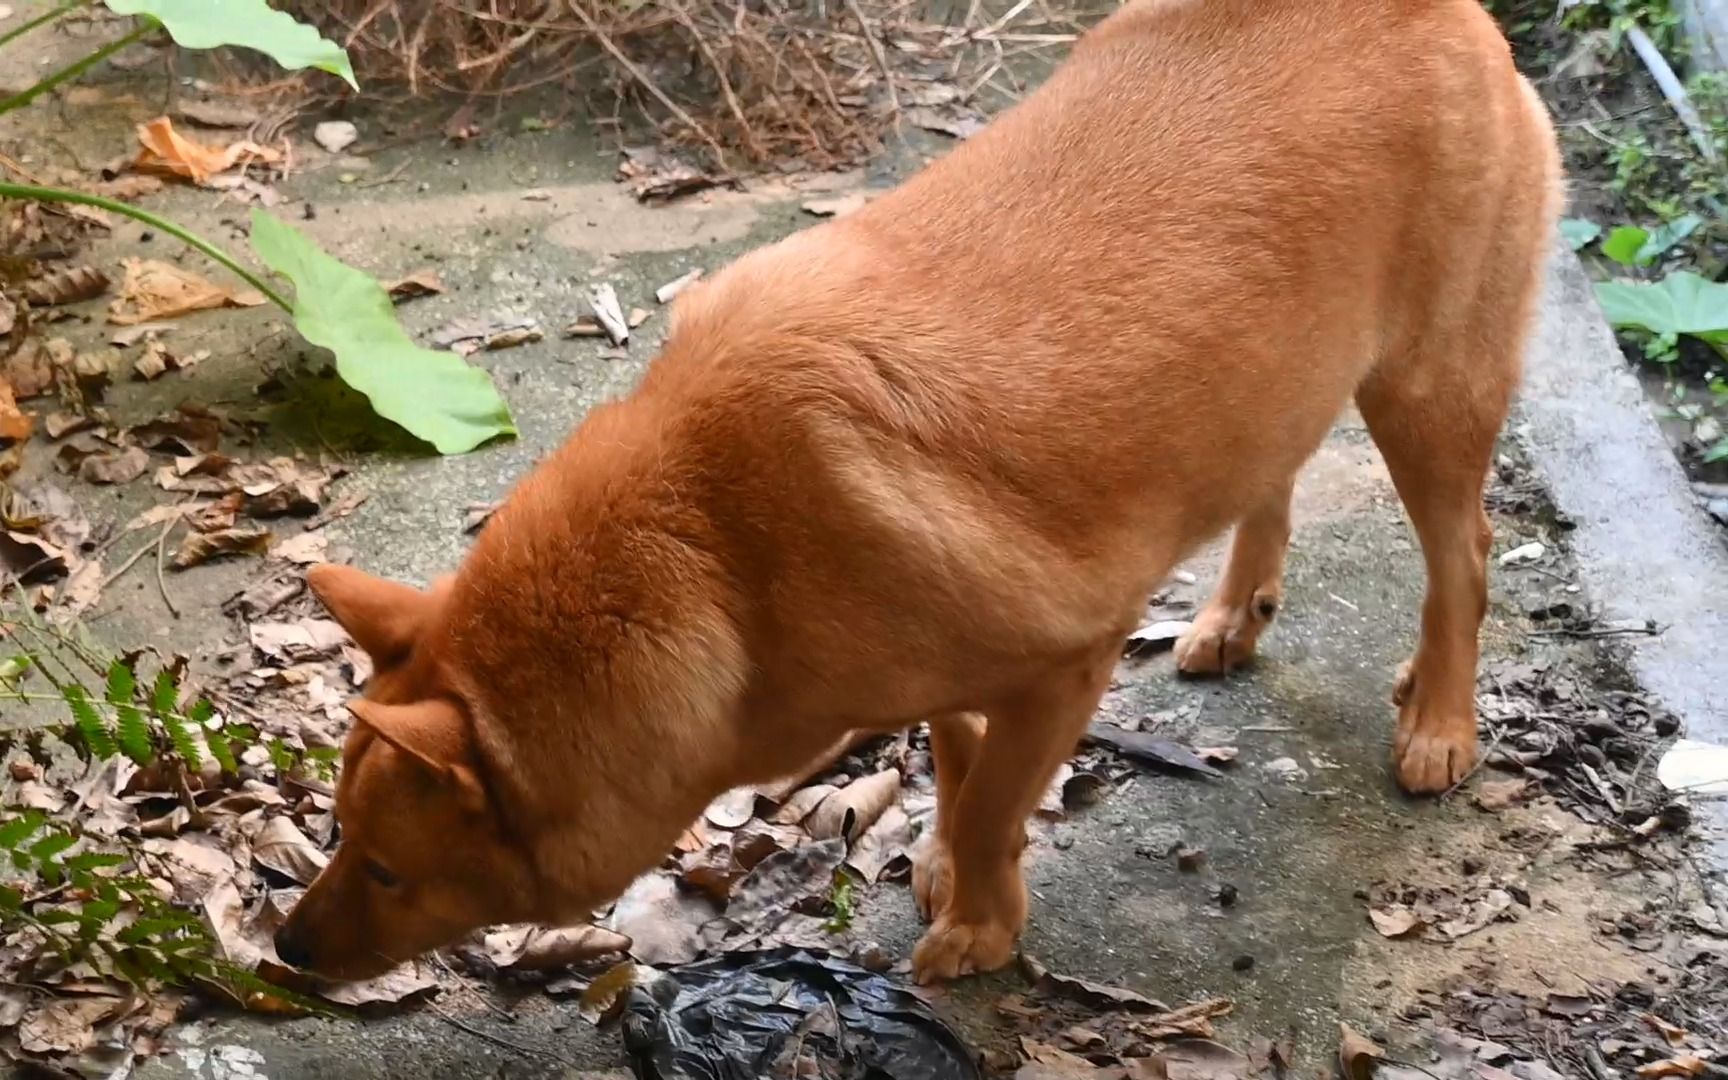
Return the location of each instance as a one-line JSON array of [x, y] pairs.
[[1644, 548]]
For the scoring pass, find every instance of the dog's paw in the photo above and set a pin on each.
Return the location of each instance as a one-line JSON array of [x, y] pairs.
[[932, 878], [951, 949], [1223, 638], [1435, 748]]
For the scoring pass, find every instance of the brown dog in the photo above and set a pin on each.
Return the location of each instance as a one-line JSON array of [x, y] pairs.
[[927, 462]]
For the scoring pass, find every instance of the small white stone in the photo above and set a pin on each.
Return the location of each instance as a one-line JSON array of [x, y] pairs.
[[335, 135], [1524, 554]]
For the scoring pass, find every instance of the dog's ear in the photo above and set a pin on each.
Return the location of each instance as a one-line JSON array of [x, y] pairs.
[[383, 617], [436, 735]]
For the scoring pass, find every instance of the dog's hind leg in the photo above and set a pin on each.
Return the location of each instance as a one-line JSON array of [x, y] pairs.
[[954, 743], [1026, 737], [1435, 416], [1247, 597]]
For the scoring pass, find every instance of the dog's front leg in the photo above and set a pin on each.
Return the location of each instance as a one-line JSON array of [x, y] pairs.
[[982, 830]]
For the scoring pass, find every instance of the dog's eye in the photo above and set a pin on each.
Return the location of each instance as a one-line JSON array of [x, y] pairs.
[[381, 875]]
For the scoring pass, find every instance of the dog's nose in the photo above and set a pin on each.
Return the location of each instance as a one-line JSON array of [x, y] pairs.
[[290, 950]]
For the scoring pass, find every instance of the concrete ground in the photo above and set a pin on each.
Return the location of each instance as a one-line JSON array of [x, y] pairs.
[[1298, 845]]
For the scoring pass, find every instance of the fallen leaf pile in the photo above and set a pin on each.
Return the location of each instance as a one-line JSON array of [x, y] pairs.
[[1647, 1031], [1445, 913], [1584, 744], [1073, 1028]]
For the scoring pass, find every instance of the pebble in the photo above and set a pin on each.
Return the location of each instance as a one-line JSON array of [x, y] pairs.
[[1227, 895], [1242, 963]]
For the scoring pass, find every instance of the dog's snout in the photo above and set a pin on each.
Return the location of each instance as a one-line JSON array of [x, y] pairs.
[[291, 950]]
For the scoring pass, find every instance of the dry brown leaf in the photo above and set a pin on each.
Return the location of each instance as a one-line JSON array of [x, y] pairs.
[[218, 113], [883, 845], [128, 188], [281, 486], [66, 1025], [30, 370], [282, 847], [1091, 994], [1194, 1021], [165, 151], [775, 894], [58, 425], [1202, 1059], [1674, 1033], [82, 589], [35, 795], [15, 424], [802, 802], [661, 920], [711, 872], [116, 468], [303, 550], [1497, 795], [178, 434], [199, 548], [695, 838], [155, 361], [1679, 1065], [408, 981], [415, 285], [153, 289], [732, 809], [68, 286], [1357, 1054], [298, 641], [1395, 921], [536, 948], [855, 807]]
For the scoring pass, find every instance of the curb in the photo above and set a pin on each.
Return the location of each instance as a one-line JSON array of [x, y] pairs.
[[1644, 548]]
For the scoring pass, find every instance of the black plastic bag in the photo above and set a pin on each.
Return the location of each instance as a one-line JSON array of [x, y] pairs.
[[786, 1014]]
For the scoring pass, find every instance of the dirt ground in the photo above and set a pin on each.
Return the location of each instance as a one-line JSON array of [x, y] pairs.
[[1304, 832]]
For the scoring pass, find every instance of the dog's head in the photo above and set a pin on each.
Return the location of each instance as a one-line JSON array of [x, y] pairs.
[[425, 856]]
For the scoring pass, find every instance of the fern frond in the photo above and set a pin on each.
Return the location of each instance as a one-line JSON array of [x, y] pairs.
[[91, 725], [190, 747], [133, 733], [122, 683], [165, 694]]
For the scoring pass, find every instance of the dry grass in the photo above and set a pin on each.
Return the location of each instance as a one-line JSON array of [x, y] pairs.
[[751, 83]]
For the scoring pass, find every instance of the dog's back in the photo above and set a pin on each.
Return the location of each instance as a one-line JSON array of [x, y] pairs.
[[1013, 391]]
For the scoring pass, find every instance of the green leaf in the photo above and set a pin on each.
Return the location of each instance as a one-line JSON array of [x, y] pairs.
[[94, 860], [189, 747], [15, 830], [133, 734], [121, 684], [10, 899], [165, 694], [1666, 236], [90, 723], [51, 845], [12, 669], [251, 24], [1717, 452], [1579, 232], [1624, 244], [1681, 303], [222, 751], [435, 395]]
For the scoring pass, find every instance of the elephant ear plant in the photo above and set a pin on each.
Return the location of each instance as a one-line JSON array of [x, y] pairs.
[[435, 396]]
